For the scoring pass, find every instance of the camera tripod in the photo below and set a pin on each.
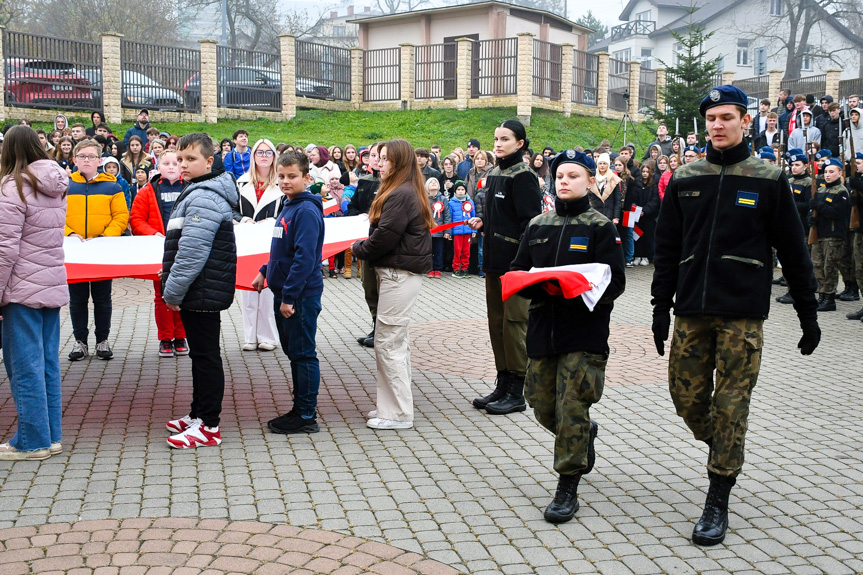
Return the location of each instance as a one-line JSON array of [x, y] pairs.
[[624, 123]]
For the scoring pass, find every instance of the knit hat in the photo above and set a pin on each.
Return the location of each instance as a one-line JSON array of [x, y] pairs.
[[459, 184], [316, 188], [325, 156], [143, 168], [429, 181], [110, 160], [603, 159]]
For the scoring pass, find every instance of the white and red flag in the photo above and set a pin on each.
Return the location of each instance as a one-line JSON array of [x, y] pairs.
[[586, 280]]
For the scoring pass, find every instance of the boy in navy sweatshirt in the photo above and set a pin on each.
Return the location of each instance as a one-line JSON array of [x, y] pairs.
[[293, 273]]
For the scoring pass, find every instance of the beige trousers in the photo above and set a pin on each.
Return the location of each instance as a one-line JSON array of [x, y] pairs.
[[397, 294]]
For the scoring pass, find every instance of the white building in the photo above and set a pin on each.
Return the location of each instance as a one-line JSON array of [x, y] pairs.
[[742, 31]]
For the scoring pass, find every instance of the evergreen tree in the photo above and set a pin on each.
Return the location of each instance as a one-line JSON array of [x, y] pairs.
[[690, 79], [600, 30]]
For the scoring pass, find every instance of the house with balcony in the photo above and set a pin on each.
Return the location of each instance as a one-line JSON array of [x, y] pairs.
[[743, 37]]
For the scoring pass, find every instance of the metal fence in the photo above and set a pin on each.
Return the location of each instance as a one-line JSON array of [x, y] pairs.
[[160, 77], [43, 72], [756, 87], [435, 73], [585, 78], [323, 72], [382, 75], [547, 59], [494, 64], [849, 88], [815, 85], [618, 85], [248, 80], [646, 90]]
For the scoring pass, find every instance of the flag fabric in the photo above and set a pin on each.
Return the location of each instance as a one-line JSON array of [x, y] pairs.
[[630, 217], [141, 256], [636, 233], [586, 280]]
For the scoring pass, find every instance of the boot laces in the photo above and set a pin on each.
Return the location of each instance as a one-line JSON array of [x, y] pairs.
[[565, 488]]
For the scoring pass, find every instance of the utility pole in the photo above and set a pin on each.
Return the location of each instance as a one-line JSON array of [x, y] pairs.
[[224, 23]]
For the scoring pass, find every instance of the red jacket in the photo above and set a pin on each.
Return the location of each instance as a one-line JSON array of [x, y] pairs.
[[146, 215]]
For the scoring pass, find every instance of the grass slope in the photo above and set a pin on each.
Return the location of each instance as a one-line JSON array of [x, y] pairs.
[[448, 128]]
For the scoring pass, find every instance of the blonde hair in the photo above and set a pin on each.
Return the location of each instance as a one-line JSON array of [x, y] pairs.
[[253, 173]]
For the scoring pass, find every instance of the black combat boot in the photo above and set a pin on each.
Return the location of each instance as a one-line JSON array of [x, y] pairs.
[[512, 401], [855, 315], [777, 281], [362, 339], [785, 298], [851, 293], [710, 529], [829, 303], [591, 452], [500, 386], [565, 503]]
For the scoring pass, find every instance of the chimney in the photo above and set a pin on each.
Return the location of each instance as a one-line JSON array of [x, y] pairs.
[[334, 14], [351, 10], [367, 8]]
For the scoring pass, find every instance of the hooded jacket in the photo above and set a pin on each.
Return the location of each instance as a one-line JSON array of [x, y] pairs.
[[367, 189], [252, 209], [136, 130], [718, 223], [199, 266], [293, 271], [324, 169], [66, 125], [31, 239], [96, 207], [147, 217], [238, 163], [856, 131]]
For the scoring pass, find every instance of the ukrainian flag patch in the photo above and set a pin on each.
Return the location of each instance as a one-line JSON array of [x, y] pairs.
[[578, 244], [747, 199]]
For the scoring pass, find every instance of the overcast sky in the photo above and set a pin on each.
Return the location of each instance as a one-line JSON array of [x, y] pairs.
[[607, 11]]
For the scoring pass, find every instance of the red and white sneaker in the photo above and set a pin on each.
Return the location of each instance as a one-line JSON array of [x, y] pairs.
[[180, 425], [196, 435]]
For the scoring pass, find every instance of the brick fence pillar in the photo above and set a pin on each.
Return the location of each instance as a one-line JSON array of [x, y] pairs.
[[408, 71], [524, 77], [288, 50], [357, 76], [209, 81], [774, 83], [832, 85], [463, 69], [602, 85], [112, 78], [661, 80], [728, 77], [634, 86], [566, 59]]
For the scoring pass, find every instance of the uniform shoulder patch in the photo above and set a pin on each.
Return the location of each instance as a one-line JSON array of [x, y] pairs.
[[578, 243], [747, 199]]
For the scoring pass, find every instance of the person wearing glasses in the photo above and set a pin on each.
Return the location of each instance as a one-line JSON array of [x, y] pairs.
[[260, 201], [95, 208], [690, 154]]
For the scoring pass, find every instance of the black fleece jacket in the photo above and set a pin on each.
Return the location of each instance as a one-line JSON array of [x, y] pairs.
[[574, 233], [720, 217]]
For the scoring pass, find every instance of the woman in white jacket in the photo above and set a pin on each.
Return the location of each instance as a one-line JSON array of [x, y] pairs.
[[260, 201], [321, 168]]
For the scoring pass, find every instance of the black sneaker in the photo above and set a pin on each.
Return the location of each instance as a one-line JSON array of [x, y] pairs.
[[166, 348], [103, 350], [181, 347], [291, 422], [333, 274]]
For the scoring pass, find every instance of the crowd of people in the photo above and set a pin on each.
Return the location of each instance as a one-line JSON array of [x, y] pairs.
[[505, 208]]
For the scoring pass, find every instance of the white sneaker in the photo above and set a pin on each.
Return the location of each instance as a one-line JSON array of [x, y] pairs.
[[56, 448], [250, 346], [9, 453], [644, 262], [378, 423], [373, 414], [180, 425], [196, 435], [266, 346]]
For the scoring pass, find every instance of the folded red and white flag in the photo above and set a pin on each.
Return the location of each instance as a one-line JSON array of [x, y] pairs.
[[637, 233], [586, 280], [631, 216], [141, 256]]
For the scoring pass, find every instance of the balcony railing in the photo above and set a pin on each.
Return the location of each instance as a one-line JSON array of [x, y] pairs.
[[634, 28]]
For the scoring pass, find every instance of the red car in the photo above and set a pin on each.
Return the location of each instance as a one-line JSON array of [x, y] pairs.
[[45, 84]]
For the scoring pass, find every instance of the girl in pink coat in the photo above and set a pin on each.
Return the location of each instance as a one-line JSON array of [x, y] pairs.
[[32, 290]]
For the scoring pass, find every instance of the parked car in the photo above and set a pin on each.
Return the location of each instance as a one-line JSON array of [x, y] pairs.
[[45, 84], [251, 87], [138, 90]]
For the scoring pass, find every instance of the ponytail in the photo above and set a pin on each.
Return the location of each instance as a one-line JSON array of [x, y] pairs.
[[517, 128]]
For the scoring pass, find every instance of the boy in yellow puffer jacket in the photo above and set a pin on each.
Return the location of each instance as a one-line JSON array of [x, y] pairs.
[[95, 207]]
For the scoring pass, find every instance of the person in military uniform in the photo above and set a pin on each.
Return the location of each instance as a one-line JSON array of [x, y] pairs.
[[567, 343], [855, 184], [801, 187], [718, 222], [830, 214]]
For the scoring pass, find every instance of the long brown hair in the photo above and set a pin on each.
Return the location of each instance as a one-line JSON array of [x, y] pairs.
[[351, 164], [405, 170], [58, 153], [135, 159], [21, 147]]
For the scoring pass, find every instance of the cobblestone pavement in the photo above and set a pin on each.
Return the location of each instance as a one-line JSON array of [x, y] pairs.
[[462, 491]]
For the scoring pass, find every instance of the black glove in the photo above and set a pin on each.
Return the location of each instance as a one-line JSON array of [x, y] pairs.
[[811, 336], [661, 325]]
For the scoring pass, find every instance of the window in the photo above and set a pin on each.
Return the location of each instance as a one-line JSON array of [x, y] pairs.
[[676, 49], [743, 53], [807, 59], [339, 30], [643, 16], [720, 64], [621, 57], [760, 64], [646, 57], [776, 7]]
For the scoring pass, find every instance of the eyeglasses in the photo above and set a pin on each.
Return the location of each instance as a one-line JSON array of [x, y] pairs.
[[86, 158], [264, 153]]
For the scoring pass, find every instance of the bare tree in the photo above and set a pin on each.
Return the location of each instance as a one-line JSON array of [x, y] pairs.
[[393, 6], [89, 19], [11, 12]]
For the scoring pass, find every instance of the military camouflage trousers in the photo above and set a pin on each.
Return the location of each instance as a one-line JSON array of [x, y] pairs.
[[826, 256], [857, 242], [561, 389], [730, 348]]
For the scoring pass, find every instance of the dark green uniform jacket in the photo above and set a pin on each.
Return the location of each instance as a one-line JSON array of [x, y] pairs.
[[720, 217], [574, 233], [832, 210], [801, 187]]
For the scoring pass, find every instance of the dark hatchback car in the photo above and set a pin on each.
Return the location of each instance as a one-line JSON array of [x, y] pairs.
[[45, 83], [257, 88]]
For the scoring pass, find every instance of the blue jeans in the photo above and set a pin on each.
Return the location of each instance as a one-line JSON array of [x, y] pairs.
[[297, 337], [31, 348], [437, 254], [479, 250], [628, 244]]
